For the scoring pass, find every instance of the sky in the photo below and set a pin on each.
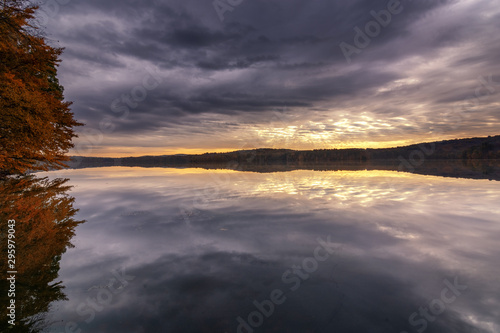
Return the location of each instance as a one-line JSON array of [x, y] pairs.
[[155, 77]]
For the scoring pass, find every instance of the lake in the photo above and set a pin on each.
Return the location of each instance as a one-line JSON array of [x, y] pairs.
[[195, 250]]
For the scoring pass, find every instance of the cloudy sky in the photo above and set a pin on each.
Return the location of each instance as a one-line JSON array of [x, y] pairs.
[[175, 76]]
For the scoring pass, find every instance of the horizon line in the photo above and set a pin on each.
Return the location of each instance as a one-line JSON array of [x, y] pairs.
[[237, 150]]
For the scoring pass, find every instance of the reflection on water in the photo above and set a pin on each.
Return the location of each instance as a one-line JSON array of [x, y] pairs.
[[44, 225], [192, 250]]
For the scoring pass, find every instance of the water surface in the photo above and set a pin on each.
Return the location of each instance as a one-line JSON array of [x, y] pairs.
[[193, 250]]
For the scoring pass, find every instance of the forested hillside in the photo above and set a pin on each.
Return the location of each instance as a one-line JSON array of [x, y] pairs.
[[463, 149]]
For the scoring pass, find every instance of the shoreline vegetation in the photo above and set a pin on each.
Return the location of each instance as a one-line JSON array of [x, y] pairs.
[[477, 158], [36, 123]]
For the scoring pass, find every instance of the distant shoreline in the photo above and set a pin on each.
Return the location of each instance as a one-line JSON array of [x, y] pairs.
[[476, 158], [471, 148]]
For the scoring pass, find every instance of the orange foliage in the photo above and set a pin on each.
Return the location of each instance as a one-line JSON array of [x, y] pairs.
[[43, 230], [36, 124]]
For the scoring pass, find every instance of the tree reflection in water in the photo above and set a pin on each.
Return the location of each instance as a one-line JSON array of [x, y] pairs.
[[44, 215]]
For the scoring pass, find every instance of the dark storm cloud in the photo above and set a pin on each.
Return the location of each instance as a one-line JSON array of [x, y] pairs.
[[267, 54]]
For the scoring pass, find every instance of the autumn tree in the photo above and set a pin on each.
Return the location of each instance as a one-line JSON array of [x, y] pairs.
[[36, 124], [44, 226]]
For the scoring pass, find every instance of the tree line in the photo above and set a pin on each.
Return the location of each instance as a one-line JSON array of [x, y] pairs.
[[462, 149]]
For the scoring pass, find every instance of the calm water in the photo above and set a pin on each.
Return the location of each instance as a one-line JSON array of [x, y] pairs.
[[191, 250]]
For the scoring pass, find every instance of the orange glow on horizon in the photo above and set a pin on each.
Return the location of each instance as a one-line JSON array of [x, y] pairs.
[[130, 151], [117, 152]]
